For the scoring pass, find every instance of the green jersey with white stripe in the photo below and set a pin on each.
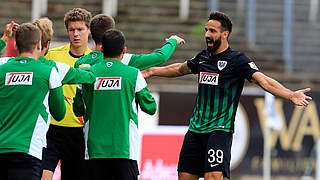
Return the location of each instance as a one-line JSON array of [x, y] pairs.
[[111, 108], [26, 85]]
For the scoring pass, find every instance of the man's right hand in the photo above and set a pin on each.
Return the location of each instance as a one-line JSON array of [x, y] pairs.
[[179, 39]]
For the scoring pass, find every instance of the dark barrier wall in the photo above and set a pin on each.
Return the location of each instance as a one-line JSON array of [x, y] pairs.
[[293, 147]]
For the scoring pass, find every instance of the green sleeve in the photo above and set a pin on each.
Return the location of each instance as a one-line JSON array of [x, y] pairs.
[[79, 76], [78, 105], [146, 101], [57, 106], [160, 56], [2, 45]]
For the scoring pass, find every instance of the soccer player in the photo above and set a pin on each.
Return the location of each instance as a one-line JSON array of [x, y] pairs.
[[29, 90], [68, 74], [221, 74], [102, 22], [7, 34], [111, 108], [65, 140]]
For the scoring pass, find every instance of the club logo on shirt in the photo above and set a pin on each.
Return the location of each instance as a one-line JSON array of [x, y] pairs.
[[208, 78], [221, 64], [109, 64], [107, 83], [94, 55], [253, 65], [19, 78]]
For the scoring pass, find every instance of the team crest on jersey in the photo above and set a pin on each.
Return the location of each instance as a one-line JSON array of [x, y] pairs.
[[107, 83], [94, 55], [109, 64], [19, 78], [253, 65], [221, 65], [208, 78]]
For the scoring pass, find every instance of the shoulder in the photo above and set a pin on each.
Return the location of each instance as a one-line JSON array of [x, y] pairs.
[[238, 57], [46, 61], [91, 58], [59, 49]]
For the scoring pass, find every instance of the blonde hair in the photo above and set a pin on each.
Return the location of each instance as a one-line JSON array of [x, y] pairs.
[[77, 14], [45, 25]]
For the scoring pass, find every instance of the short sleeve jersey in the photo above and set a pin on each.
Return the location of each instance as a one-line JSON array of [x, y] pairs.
[[24, 115], [62, 55], [220, 83]]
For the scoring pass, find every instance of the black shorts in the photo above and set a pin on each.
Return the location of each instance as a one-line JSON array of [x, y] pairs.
[[65, 144], [206, 152], [113, 169], [19, 166]]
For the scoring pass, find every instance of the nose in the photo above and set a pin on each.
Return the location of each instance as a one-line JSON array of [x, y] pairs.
[[76, 32]]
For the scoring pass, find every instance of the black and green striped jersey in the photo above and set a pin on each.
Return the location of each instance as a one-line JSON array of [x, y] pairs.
[[220, 83]]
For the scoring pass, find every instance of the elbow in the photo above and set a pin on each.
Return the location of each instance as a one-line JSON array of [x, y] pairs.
[[151, 110], [60, 115]]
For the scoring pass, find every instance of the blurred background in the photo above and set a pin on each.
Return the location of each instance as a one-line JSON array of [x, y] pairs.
[[281, 36]]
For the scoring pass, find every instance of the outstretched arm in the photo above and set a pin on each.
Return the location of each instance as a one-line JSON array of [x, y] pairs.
[[172, 70], [161, 55], [274, 87]]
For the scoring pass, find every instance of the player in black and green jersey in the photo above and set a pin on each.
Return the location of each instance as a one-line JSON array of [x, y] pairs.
[[111, 110], [221, 75], [29, 92]]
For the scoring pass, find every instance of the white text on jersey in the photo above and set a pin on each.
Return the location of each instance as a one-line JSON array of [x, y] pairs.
[[107, 83], [208, 78], [19, 78]]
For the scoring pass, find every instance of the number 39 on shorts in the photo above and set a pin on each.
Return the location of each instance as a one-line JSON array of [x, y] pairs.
[[215, 157]]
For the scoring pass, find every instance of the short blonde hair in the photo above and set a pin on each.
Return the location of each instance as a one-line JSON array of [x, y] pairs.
[[45, 25], [77, 14]]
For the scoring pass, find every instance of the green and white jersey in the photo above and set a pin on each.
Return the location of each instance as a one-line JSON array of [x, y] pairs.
[[111, 108], [70, 75], [24, 92], [2, 45], [140, 61], [67, 74]]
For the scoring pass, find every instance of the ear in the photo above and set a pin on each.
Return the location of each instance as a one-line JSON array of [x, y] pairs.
[[47, 45], [225, 34], [124, 50], [38, 45]]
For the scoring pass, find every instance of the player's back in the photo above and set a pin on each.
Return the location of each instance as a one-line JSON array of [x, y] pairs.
[[111, 110], [24, 90]]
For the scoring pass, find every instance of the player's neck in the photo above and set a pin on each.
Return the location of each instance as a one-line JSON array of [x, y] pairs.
[[78, 51], [98, 47], [31, 55], [222, 48], [119, 58]]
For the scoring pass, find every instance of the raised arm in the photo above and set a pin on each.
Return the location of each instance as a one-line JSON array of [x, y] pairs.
[[172, 70], [8, 30], [274, 87], [144, 61]]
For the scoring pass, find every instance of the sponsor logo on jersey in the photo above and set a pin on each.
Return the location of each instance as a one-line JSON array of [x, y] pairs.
[[107, 83], [19, 78], [253, 65], [221, 65], [208, 78]]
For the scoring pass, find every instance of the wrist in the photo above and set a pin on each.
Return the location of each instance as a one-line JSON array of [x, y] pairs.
[[290, 96], [5, 38]]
